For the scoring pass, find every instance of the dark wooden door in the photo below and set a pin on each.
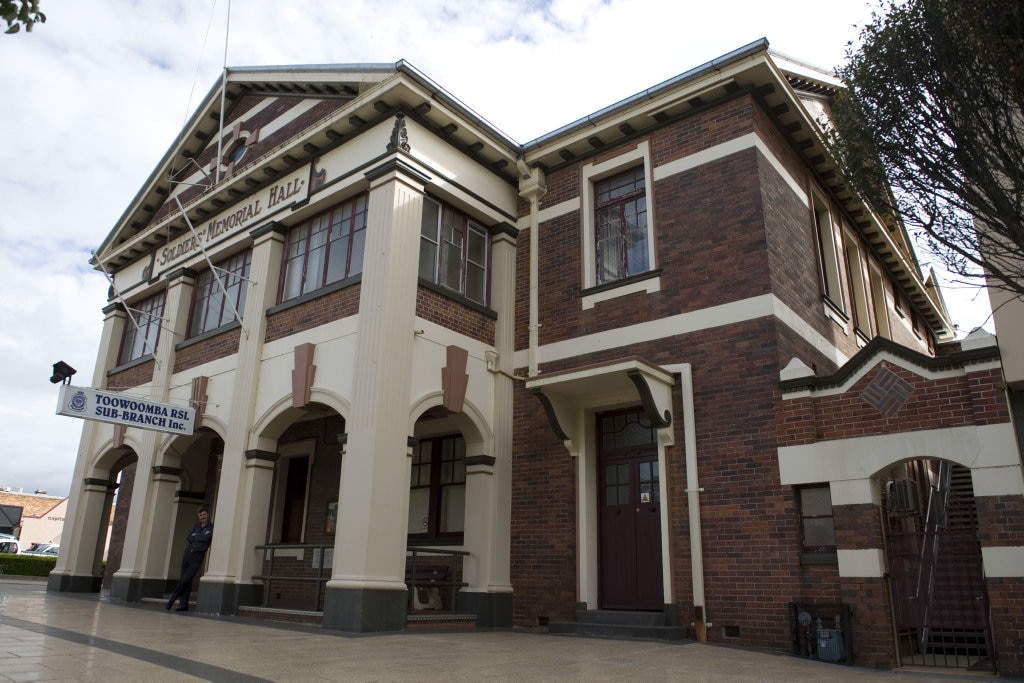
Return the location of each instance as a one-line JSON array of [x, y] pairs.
[[629, 542]]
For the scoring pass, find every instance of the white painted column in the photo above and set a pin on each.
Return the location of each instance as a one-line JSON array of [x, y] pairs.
[[503, 300], [143, 560], [244, 490], [367, 588], [83, 530]]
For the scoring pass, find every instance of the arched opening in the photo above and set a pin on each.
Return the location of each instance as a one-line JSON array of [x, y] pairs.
[[935, 573], [449, 491], [117, 507], [298, 548]]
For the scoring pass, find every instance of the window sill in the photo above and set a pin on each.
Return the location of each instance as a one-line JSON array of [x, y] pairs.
[[207, 335], [836, 314], [822, 558], [648, 282], [130, 364], [455, 296], [442, 541], [315, 294]]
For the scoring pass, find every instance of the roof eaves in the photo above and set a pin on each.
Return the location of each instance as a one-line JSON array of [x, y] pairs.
[[736, 55]]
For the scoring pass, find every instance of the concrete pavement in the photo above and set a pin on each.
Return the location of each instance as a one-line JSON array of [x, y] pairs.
[[68, 637]]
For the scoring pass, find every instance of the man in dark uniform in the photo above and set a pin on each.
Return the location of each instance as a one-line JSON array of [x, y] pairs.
[[196, 544]]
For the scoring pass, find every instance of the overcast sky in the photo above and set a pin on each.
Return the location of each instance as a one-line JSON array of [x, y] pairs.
[[92, 99]]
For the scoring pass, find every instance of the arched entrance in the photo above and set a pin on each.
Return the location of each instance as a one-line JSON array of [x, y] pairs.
[[297, 555], [936, 580], [122, 479]]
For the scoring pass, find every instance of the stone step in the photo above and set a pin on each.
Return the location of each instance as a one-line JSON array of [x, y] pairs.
[[438, 622], [625, 617], [291, 616], [664, 634]]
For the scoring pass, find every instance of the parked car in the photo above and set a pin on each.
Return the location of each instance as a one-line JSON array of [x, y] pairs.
[[9, 544], [45, 549]]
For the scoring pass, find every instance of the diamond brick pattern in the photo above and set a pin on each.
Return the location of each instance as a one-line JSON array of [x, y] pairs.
[[887, 392]]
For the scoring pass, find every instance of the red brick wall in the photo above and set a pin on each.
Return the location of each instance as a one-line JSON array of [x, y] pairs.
[[543, 529], [868, 599], [453, 315], [1006, 598], [309, 314], [131, 377], [219, 346], [119, 523], [1001, 524], [974, 399]]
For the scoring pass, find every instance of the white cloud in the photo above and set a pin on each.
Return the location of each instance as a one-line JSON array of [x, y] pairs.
[[94, 97]]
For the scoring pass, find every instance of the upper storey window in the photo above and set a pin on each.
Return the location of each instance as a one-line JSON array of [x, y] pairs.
[[141, 338], [325, 249], [617, 212], [210, 308], [829, 250], [620, 217], [453, 251]]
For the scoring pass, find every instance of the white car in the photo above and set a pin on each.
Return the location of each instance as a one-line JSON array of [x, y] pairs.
[[9, 544], [44, 549]]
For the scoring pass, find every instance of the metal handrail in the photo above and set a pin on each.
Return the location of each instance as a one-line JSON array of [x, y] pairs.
[[454, 557], [269, 576], [453, 565]]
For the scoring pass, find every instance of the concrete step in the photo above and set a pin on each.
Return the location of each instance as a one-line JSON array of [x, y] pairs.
[[291, 616], [433, 621], [624, 617], [603, 626]]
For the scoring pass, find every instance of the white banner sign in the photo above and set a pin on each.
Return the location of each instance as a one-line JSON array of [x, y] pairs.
[[111, 406]]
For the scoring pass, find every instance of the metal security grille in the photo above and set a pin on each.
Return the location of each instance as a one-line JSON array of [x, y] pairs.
[[940, 607]]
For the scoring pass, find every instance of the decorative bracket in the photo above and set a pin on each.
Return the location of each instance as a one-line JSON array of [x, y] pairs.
[[550, 411], [647, 400]]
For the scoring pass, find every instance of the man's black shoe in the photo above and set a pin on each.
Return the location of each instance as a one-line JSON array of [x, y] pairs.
[[170, 603], [181, 609]]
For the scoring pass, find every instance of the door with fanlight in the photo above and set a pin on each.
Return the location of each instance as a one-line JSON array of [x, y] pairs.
[[629, 518]]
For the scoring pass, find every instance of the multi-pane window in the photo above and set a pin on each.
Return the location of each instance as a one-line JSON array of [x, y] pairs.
[[860, 289], [620, 217], [437, 488], [219, 293], [141, 340], [453, 251], [325, 249], [828, 253], [818, 531]]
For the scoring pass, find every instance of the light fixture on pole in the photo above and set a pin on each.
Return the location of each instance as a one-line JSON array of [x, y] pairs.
[[62, 373]]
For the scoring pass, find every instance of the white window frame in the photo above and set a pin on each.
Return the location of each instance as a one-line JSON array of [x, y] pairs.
[[589, 175], [863, 313], [433, 234], [879, 301], [831, 266]]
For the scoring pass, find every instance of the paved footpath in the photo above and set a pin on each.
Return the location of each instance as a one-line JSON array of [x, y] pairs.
[[67, 637]]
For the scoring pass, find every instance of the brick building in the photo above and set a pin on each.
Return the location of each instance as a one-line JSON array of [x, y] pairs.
[[657, 372]]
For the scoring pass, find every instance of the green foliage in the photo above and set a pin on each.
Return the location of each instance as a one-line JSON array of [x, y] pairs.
[[18, 13], [930, 129], [26, 565]]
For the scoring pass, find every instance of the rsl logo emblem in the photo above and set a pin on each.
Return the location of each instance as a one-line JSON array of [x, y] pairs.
[[78, 402]]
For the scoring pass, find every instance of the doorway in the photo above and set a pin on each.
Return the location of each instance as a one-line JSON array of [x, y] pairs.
[[940, 606], [629, 515]]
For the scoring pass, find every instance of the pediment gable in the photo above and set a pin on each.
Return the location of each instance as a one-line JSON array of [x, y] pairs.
[[875, 355]]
